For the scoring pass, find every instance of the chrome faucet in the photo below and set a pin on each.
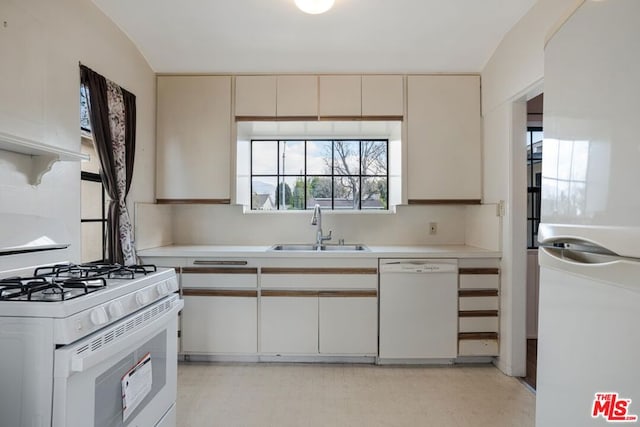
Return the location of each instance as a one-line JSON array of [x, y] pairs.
[[316, 219]]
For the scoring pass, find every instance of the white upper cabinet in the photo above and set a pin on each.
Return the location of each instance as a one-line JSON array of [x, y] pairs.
[[297, 96], [256, 96], [193, 138], [310, 96], [444, 139], [382, 96], [340, 96]]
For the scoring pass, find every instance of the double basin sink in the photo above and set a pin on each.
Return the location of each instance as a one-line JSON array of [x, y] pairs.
[[319, 248]]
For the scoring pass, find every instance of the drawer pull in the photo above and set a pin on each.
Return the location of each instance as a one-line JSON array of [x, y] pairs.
[[479, 271], [190, 292], [478, 336], [218, 262], [478, 292], [219, 270], [478, 313]]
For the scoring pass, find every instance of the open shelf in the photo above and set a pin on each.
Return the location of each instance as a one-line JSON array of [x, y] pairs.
[[43, 156]]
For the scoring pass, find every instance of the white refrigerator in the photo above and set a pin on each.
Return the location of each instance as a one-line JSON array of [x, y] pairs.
[[589, 315]]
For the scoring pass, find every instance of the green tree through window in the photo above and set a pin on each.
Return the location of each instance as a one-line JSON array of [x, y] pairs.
[[336, 174]]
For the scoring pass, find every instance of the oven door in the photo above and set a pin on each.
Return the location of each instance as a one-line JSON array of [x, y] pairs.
[[88, 374]]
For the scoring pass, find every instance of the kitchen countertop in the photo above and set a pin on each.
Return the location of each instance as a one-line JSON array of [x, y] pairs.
[[433, 251]]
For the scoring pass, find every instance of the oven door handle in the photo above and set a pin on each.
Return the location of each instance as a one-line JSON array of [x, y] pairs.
[[96, 349]]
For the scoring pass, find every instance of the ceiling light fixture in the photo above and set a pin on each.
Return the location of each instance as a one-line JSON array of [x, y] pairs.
[[314, 7]]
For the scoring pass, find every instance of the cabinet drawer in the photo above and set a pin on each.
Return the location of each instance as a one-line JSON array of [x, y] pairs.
[[479, 303], [488, 347], [241, 278], [478, 324], [320, 281], [479, 281]]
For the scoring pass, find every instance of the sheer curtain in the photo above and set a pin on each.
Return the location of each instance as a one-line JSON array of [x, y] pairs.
[[112, 111]]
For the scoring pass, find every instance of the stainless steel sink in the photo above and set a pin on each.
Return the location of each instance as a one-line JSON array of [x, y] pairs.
[[294, 248], [344, 248], [316, 248]]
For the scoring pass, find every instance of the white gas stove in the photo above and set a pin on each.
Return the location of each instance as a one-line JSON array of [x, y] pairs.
[[72, 337]]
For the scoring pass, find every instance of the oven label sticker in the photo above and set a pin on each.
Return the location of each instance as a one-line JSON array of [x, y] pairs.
[[136, 384]]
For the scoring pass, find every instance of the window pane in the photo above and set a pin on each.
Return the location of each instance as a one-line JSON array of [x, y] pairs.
[[374, 157], [263, 192], [319, 157], [292, 157], [85, 122], [346, 159], [90, 200], [290, 193], [346, 192], [319, 191], [374, 193], [91, 241], [264, 157]]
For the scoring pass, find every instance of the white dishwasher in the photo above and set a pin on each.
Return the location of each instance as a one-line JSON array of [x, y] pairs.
[[418, 310]]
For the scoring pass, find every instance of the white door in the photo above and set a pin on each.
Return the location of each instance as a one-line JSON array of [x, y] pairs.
[[220, 324], [289, 325], [348, 325]]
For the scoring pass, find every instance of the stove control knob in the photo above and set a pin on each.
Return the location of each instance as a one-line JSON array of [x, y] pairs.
[[142, 298], [99, 316], [116, 309], [162, 289], [172, 284]]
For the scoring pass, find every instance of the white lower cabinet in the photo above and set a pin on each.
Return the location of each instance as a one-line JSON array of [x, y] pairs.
[[319, 307], [219, 324], [220, 314], [479, 308], [348, 325], [289, 324], [309, 323]]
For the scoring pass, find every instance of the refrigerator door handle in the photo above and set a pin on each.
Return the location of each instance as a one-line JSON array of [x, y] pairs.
[[578, 245], [616, 271]]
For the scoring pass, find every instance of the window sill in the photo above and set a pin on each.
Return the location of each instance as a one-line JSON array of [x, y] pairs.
[[390, 211]]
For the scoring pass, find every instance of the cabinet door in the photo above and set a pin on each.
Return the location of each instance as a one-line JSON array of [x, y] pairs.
[[256, 96], [444, 138], [193, 137], [289, 325], [348, 325], [340, 96], [382, 96], [297, 97], [219, 324]]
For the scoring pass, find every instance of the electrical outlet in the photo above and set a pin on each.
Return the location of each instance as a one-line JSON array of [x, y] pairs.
[[433, 227]]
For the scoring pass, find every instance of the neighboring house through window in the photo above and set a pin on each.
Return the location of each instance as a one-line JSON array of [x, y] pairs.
[[336, 174]]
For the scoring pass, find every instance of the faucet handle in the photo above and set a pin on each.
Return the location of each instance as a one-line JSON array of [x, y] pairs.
[[328, 236]]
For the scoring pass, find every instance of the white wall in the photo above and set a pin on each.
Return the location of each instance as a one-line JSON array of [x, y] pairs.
[[227, 225], [40, 47], [513, 73]]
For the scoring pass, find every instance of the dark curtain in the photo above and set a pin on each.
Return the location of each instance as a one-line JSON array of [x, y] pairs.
[[103, 119]]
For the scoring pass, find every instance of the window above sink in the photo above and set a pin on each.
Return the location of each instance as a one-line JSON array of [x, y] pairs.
[[342, 166]]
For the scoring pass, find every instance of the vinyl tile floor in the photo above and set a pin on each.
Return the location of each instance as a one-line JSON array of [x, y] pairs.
[[282, 395]]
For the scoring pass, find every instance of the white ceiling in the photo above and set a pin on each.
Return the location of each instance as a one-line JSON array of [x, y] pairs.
[[213, 36]]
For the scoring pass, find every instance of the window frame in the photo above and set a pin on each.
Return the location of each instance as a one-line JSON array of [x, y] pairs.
[[281, 176], [534, 191], [95, 177], [85, 132]]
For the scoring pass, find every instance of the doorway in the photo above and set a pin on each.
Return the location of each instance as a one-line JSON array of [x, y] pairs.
[[535, 135]]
